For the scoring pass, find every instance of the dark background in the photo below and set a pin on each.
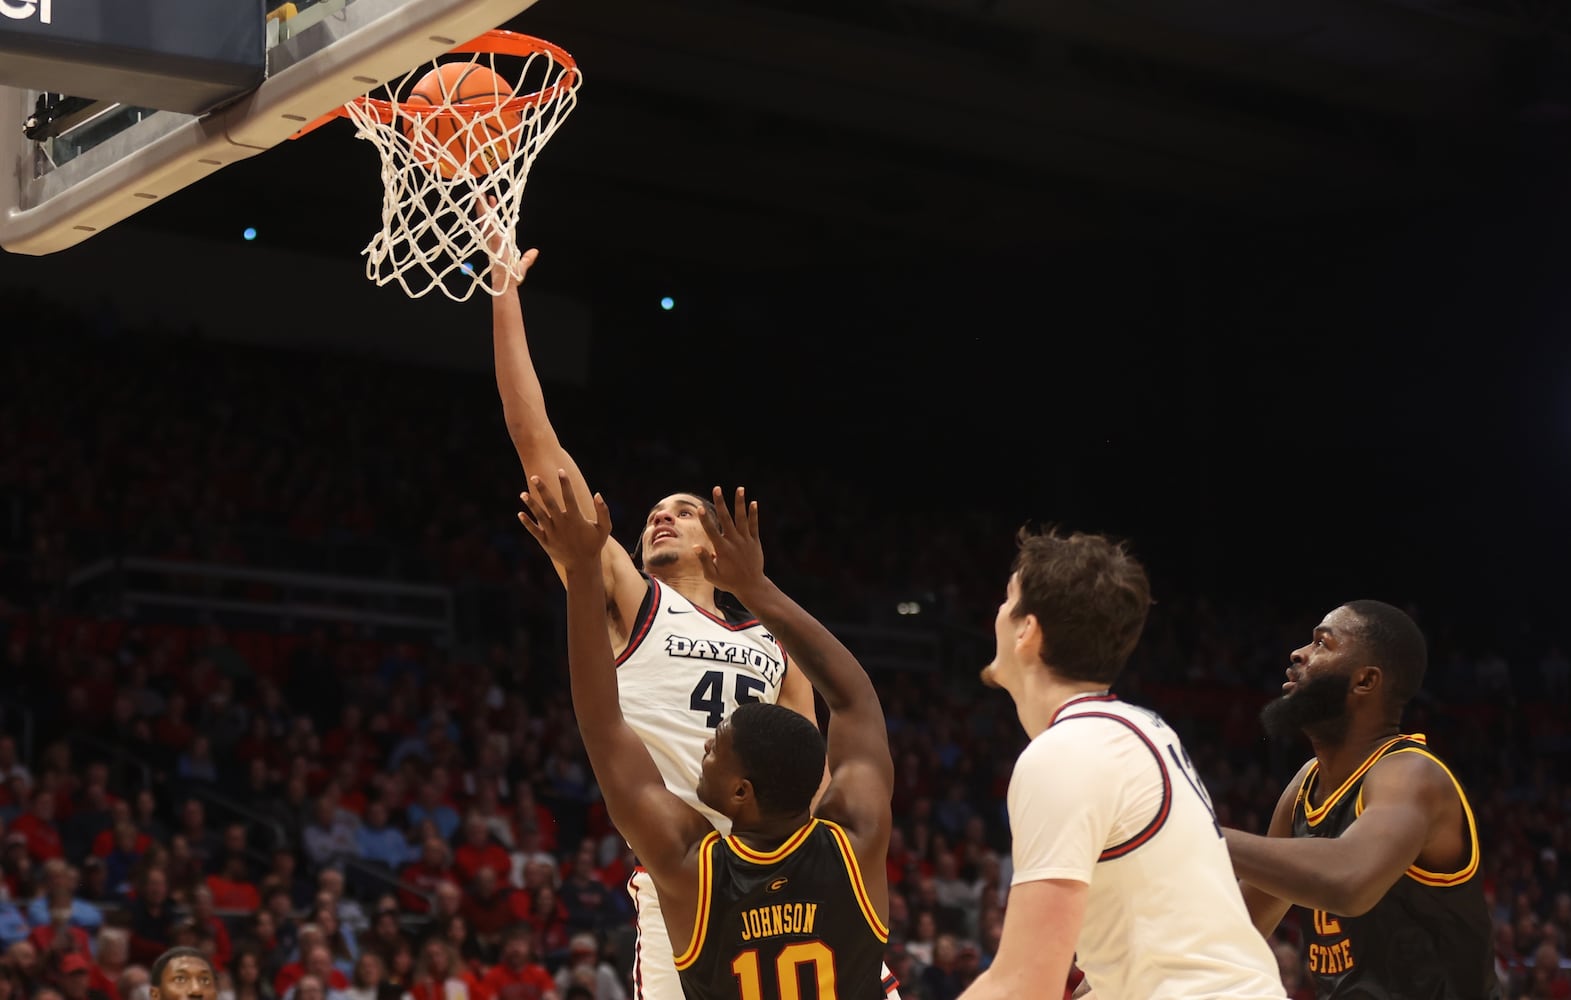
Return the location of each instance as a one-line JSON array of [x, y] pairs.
[[1277, 293]]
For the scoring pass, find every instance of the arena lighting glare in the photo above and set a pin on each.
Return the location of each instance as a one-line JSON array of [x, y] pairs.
[[248, 234], [668, 303], [908, 608]]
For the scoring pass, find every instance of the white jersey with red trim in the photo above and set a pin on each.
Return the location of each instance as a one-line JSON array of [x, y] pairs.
[[1106, 795], [682, 672]]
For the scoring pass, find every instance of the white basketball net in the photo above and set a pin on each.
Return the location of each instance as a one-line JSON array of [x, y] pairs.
[[432, 237]]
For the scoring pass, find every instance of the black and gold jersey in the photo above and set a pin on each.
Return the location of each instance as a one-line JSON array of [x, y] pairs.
[[793, 922], [1429, 937]]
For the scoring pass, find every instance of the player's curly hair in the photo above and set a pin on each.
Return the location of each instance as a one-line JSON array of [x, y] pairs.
[[782, 754], [1090, 597]]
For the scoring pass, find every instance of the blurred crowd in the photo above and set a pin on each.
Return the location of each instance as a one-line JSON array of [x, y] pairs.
[[334, 812]]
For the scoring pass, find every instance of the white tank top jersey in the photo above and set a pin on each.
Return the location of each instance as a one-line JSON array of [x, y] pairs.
[[1106, 795], [682, 672]]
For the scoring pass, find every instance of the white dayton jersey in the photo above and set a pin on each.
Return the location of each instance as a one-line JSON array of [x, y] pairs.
[[1106, 795], [682, 672]]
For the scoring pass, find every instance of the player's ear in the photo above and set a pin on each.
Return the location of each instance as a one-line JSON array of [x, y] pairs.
[[1367, 680], [1028, 637], [743, 792]]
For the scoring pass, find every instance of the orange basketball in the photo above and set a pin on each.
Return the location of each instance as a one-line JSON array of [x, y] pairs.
[[468, 144]]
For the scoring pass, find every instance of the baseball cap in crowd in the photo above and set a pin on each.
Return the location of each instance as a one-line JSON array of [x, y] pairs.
[[74, 962]]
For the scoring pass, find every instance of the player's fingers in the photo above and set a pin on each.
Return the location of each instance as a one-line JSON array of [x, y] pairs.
[[722, 512], [602, 515], [740, 501], [531, 527], [752, 518], [568, 494], [706, 562], [537, 509]]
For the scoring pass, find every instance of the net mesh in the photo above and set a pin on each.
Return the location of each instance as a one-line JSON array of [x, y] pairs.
[[442, 159]]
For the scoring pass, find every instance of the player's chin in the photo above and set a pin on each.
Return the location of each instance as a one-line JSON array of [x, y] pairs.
[[989, 675], [666, 555]]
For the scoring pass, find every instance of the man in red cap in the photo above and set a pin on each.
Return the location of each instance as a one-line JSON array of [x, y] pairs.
[[76, 978]]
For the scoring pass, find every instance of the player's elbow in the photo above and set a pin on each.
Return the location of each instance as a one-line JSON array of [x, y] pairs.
[[1354, 894]]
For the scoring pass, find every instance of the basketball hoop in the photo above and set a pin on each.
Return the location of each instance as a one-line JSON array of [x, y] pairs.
[[445, 150]]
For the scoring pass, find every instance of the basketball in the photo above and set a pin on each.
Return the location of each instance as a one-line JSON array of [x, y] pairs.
[[468, 144]]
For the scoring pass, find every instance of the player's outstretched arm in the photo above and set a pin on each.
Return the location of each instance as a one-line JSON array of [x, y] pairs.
[[1405, 797], [661, 828], [861, 771], [524, 410], [1041, 925], [1265, 910]]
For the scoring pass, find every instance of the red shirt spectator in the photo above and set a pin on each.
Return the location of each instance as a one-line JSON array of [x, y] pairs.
[[435, 866], [518, 976], [491, 906], [478, 850], [39, 827]]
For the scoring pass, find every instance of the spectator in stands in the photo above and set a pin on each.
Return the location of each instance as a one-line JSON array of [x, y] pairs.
[[381, 843], [10, 986], [145, 815], [203, 911], [60, 892], [490, 907], [13, 923], [206, 847], [56, 935], [38, 826], [23, 959], [518, 975], [124, 856], [434, 867], [195, 764], [330, 893], [587, 900], [440, 974], [153, 918], [585, 967], [548, 917], [370, 979], [338, 939], [248, 979], [113, 955], [429, 805], [92, 813], [331, 837], [385, 936], [76, 978], [478, 849], [531, 818]]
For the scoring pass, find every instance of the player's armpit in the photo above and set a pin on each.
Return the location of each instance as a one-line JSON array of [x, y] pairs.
[[1041, 925]]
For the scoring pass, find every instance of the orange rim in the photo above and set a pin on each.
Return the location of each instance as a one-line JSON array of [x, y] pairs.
[[496, 42]]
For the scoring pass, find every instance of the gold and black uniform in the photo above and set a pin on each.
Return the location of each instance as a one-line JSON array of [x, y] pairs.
[[794, 923], [1429, 937]]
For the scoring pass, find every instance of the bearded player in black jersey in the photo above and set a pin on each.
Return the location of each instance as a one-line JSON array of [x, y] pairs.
[[793, 903], [1375, 835]]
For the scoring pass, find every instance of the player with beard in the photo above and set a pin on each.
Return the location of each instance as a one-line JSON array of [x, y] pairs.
[[1375, 835]]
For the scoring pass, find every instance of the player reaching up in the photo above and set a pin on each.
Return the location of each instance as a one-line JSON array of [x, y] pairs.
[[794, 892]]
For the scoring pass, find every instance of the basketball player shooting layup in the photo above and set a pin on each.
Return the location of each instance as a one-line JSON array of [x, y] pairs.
[[783, 898], [683, 664]]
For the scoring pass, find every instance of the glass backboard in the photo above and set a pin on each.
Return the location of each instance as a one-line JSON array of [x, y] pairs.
[[90, 164]]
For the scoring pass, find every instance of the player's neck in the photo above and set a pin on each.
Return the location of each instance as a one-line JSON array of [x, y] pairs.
[[1341, 754], [692, 586], [1045, 694], [764, 835]]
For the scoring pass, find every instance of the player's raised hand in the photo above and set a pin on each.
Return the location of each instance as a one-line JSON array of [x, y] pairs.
[[560, 526], [734, 560], [505, 257]]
